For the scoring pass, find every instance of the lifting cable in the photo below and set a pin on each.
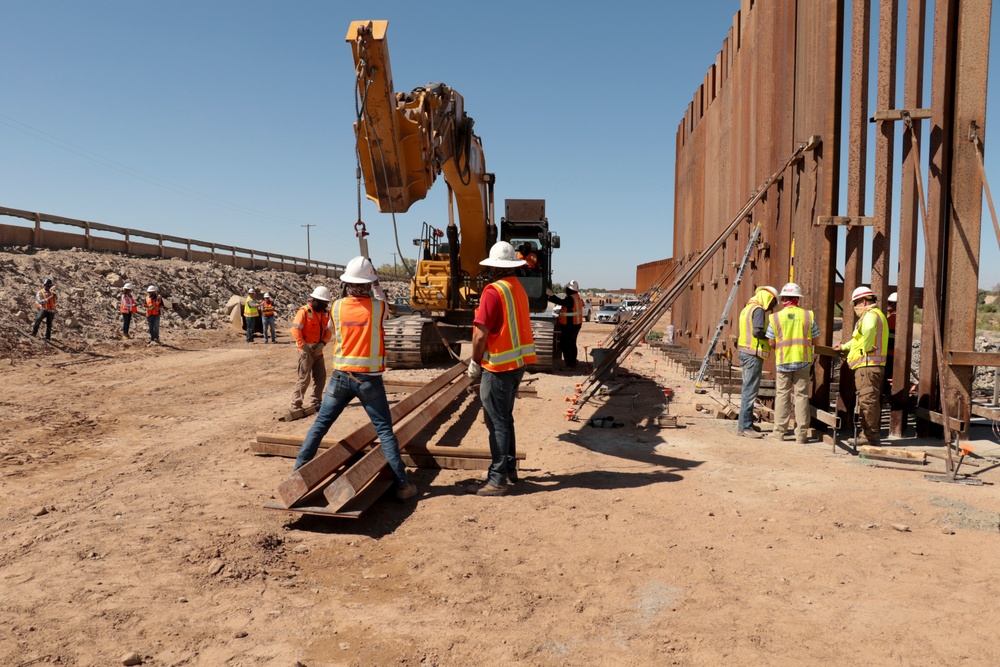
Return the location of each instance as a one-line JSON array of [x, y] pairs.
[[935, 315], [366, 76]]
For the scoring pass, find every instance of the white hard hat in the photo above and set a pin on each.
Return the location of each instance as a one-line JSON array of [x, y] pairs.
[[251, 291], [893, 298], [151, 288], [502, 256], [127, 286], [267, 295], [770, 289], [791, 289], [573, 285], [359, 270], [861, 293], [322, 293]]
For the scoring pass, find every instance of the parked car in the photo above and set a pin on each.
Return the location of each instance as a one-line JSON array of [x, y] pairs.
[[401, 306], [587, 311], [609, 313]]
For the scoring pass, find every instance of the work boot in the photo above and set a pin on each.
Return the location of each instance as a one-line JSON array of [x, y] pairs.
[[490, 490], [801, 439], [750, 433], [778, 435], [407, 491]]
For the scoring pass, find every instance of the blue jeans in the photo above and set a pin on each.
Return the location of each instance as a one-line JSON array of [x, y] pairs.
[[752, 366], [251, 326], [154, 326], [370, 390], [126, 321], [269, 326], [498, 391]]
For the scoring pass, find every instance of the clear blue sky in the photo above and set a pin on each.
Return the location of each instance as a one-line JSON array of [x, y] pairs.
[[231, 121]]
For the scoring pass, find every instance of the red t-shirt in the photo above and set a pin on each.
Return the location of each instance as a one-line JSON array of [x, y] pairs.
[[490, 311]]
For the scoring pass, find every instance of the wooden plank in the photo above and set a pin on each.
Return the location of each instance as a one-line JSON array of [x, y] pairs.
[[889, 454], [407, 386], [845, 220], [284, 443], [352, 510], [315, 472], [348, 484], [937, 418], [897, 114]]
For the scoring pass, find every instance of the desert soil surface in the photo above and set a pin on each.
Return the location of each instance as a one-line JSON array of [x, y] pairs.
[[133, 528]]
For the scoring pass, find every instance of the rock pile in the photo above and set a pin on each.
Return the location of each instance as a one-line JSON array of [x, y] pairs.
[[88, 285]]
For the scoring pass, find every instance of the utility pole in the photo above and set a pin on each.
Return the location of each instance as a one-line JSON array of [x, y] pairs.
[[395, 274], [308, 251]]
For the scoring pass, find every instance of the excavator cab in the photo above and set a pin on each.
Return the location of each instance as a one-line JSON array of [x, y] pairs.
[[525, 227]]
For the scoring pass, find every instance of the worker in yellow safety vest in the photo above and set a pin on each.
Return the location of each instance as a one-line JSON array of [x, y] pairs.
[[752, 349], [795, 334], [570, 320], [250, 314], [866, 356], [357, 320], [502, 347]]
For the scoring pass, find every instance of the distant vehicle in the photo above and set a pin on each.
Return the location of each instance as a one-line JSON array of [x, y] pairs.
[[609, 313], [587, 311], [629, 304], [401, 306]]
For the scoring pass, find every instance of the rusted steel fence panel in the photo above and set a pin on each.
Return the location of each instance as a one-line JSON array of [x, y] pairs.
[[777, 81]]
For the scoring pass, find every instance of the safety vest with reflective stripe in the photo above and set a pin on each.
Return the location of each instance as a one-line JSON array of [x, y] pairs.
[[759, 347], [574, 316], [792, 339], [128, 304], [46, 300], [310, 327], [359, 341], [871, 322], [514, 345], [250, 308], [153, 306], [267, 308]]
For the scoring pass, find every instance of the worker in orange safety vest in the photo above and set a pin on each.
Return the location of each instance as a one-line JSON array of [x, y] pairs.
[[570, 320], [128, 307], [311, 333], [45, 299], [357, 320], [267, 314], [154, 305], [502, 347]]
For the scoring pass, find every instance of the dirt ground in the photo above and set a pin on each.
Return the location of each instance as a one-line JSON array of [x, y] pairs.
[[133, 523]]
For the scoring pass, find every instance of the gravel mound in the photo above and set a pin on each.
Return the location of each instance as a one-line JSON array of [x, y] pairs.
[[88, 285]]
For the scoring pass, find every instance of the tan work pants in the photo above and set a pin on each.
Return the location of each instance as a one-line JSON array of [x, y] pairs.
[[787, 386], [310, 368], [868, 380]]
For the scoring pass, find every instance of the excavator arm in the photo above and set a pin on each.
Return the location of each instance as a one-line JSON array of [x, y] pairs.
[[404, 140]]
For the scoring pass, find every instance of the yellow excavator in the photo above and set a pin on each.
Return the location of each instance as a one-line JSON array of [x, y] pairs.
[[404, 140]]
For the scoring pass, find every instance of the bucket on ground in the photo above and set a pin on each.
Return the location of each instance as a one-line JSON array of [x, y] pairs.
[[600, 355]]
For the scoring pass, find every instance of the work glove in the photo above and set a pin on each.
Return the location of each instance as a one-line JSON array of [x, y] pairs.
[[549, 292], [475, 370], [379, 292], [318, 348]]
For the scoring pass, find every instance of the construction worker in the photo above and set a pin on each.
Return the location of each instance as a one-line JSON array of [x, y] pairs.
[[753, 348], [311, 332], [250, 314], [527, 253], [154, 306], [45, 299], [267, 313], [795, 334], [127, 307], [502, 346], [866, 355], [358, 363], [570, 320], [890, 319]]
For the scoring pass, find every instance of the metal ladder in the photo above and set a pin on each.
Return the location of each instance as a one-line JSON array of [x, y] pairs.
[[729, 304]]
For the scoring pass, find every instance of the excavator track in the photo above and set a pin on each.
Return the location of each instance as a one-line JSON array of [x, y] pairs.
[[412, 342], [546, 344]]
